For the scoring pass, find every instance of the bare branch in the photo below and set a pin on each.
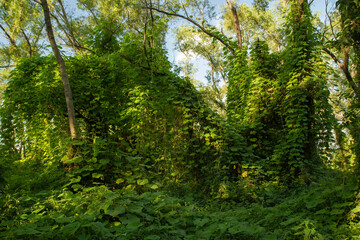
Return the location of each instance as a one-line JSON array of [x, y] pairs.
[[152, 27], [68, 24], [213, 82], [186, 13], [8, 66], [327, 14], [332, 55], [82, 47], [67, 29]]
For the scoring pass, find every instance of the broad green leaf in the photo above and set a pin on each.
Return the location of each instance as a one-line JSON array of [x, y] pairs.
[[119, 180], [71, 228], [115, 210], [98, 175], [142, 181], [132, 222], [154, 186]]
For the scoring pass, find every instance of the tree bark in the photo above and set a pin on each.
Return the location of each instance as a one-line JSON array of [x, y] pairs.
[[63, 72], [237, 24]]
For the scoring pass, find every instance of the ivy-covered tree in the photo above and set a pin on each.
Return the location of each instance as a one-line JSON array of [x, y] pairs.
[[306, 110], [281, 101]]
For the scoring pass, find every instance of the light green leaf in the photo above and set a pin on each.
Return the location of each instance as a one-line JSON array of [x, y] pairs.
[[98, 175], [142, 181], [119, 180], [154, 186]]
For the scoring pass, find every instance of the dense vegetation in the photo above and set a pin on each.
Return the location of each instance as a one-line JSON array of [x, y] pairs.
[[138, 149]]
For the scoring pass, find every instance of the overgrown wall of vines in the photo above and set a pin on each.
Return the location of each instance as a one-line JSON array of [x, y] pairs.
[[137, 127]]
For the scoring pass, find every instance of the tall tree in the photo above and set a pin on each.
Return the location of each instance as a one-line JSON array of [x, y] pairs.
[[236, 23], [63, 72], [307, 113]]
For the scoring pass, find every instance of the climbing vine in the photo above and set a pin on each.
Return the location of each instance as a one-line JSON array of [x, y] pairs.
[[280, 102], [127, 120]]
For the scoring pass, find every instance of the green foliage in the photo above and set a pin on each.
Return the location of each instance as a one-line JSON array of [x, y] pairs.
[[103, 214], [153, 160], [261, 5], [348, 38], [239, 83], [133, 123], [353, 125], [350, 23], [279, 103], [258, 22], [306, 109], [318, 211], [19, 29]]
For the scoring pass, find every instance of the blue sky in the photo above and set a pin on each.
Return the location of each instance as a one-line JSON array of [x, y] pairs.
[[201, 64]]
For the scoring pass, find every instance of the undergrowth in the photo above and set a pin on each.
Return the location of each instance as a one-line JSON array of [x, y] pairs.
[[322, 210]]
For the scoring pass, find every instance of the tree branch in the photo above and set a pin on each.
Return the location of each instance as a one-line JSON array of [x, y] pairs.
[[183, 6], [327, 14], [198, 25], [345, 69], [39, 35], [68, 25], [8, 66], [267, 32], [67, 29], [217, 67], [223, 73], [12, 41], [27, 41]]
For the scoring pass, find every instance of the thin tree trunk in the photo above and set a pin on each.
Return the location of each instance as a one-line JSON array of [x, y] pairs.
[[237, 24], [63, 73]]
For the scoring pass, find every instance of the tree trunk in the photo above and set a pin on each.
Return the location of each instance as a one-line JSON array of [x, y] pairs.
[[63, 73], [237, 24]]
